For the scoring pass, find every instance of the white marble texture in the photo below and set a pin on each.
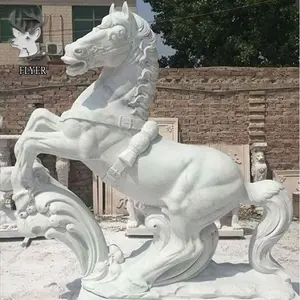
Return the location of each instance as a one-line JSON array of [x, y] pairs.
[[45, 259], [8, 222], [107, 128]]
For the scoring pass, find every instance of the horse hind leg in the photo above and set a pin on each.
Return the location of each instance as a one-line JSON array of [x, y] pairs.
[[171, 257], [190, 225], [208, 239], [182, 246]]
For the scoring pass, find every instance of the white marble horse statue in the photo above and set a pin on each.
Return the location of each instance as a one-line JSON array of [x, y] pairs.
[[107, 128]]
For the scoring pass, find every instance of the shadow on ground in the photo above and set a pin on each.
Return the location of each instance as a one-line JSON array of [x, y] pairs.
[[296, 286], [74, 290]]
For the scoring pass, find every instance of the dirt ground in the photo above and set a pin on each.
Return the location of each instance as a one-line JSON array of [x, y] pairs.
[[48, 270]]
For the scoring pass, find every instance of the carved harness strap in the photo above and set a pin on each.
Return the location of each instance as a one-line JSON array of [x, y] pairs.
[[100, 117], [114, 173], [138, 144]]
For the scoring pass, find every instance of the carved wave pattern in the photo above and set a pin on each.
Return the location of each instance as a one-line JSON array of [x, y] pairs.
[[57, 213]]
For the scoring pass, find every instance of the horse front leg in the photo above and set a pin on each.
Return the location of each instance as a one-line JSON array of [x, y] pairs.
[[41, 120], [33, 144]]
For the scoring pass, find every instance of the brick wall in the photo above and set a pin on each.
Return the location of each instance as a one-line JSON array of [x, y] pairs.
[[213, 105]]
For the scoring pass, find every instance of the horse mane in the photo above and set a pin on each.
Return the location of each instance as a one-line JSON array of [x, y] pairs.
[[148, 61]]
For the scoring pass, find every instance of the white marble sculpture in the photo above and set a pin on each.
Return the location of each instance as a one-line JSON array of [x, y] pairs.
[[259, 168], [62, 166], [137, 213], [107, 129], [135, 216], [228, 226], [7, 217], [8, 226]]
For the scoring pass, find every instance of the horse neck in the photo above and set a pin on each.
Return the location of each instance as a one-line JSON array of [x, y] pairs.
[[119, 81], [125, 90], [113, 85]]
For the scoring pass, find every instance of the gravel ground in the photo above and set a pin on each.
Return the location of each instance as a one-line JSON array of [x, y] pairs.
[[48, 270]]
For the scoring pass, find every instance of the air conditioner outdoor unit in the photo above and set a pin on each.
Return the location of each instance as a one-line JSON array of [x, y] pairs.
[[54, 49]]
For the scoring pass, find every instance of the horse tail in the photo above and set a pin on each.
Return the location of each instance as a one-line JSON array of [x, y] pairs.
[[277, 217]]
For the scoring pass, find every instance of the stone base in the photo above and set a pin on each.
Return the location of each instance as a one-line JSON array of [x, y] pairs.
[[219, 281], [225, 231], [7, 234], [139, 231]]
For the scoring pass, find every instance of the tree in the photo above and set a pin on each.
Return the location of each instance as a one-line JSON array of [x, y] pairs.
[[228, 33]]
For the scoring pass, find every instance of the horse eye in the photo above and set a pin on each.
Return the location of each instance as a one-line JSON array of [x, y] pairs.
[[78, 50]]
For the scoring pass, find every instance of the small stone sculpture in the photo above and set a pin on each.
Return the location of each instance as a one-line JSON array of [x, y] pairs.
[[188, 189], [8, 222], [62, 166], [7, 217], [233, 217], [138, 213], [135, 217], [259, 168]]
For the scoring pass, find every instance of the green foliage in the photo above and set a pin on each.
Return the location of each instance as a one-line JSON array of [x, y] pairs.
[[228, 33]]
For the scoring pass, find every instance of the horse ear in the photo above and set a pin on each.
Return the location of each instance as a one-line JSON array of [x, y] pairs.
[[112, 8], [125, 10]]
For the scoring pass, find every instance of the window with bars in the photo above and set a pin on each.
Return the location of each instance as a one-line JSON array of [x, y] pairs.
[[85, 18], [5, 26]]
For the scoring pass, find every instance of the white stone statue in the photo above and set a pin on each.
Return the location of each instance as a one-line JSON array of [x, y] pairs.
[[259, 168], [7, 217], [135, 217], [8, 226], [62, 166], [138, 213], [107, 129]]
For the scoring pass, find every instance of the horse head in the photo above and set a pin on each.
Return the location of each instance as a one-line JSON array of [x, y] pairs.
[[107, 45], [123, 40]]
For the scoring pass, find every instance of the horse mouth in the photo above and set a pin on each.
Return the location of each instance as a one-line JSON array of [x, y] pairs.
[[74, 65]]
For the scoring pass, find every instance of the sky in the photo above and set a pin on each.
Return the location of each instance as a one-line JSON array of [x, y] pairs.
[[145, 11]]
